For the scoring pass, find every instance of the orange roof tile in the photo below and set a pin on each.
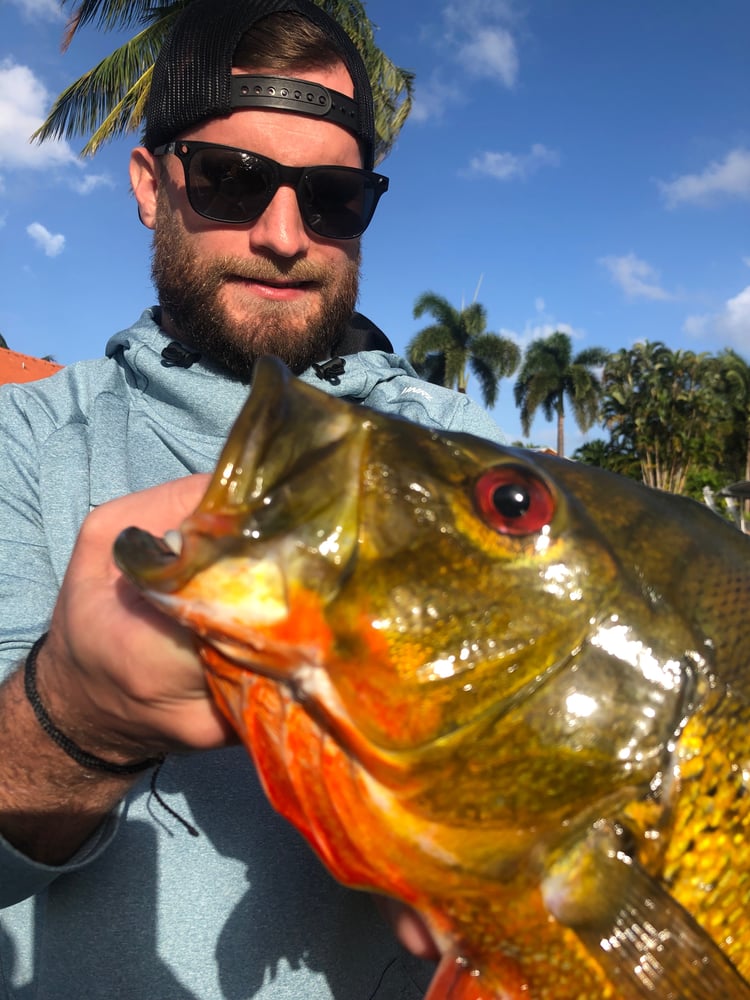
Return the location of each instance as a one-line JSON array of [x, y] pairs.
[[15, 367]]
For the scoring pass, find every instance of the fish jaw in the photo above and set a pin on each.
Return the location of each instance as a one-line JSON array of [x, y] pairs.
[[247, 610]]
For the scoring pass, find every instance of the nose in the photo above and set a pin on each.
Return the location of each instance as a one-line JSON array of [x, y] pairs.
[[280, 229]]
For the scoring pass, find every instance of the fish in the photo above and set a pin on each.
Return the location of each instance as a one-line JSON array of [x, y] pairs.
[[505, 688]]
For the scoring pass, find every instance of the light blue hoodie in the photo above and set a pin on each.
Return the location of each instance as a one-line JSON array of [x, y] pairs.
[[144, 910]]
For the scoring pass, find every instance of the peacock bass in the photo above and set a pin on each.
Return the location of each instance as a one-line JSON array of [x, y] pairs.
[[505, 688]]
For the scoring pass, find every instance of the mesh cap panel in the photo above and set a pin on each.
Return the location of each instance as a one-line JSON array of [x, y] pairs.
[[192, 74]]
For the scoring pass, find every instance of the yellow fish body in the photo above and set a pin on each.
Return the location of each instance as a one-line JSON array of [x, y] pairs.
[[504, 688]]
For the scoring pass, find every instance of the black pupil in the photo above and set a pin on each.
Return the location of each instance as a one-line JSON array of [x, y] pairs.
[[511, 500]]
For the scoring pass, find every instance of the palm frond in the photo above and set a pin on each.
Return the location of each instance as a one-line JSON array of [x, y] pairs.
[[430, 340], [488, 382], [113, 15], [109, 99]]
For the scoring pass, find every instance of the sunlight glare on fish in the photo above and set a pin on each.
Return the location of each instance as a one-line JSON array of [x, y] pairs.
[[557, 579], [542, 543], [581, 705], [438, 669], [330, 545], [617, 641]]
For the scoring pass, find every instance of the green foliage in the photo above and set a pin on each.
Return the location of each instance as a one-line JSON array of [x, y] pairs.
[[684, 415], [604, 455], [109, 100], [457, 343], [735, 374]]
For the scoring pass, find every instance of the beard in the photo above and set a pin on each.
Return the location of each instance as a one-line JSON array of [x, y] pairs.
[[189, 290]]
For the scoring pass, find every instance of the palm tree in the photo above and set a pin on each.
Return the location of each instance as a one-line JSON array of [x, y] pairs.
[[109, 100], [550, 373], [443, 351]]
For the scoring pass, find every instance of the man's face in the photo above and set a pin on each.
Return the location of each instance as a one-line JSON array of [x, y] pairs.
[[270, 286]]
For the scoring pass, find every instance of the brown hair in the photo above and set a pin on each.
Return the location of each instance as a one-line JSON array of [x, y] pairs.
[[285, 42]]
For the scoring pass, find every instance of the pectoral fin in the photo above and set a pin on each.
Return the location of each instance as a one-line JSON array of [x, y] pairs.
[[655, 948], [646, 943]]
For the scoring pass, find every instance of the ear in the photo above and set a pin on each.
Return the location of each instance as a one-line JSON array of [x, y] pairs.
[[145, 184]]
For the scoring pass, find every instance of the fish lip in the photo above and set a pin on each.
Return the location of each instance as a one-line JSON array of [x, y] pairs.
[[140, 555]]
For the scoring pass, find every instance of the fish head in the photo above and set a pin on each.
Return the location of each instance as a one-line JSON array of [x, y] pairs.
[[407, 583], [402, 563], [420, 593]]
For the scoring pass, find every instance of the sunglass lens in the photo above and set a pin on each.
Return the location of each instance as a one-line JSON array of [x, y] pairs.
[[337, 203], [229, 185]]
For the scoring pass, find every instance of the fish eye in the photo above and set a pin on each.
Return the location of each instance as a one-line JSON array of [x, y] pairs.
[[513, 500]]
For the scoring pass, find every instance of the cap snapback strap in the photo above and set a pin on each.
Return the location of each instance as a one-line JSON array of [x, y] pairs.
[[301, 96]]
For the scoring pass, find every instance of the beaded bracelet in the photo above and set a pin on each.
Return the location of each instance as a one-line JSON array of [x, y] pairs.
[[80, 756]]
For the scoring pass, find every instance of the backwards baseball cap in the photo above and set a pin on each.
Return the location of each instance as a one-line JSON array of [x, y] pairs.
[[193, 82]]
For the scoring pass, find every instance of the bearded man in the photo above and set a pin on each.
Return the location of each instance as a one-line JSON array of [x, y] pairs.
[[257, 178]]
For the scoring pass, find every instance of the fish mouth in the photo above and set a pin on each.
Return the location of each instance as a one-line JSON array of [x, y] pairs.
[[269, 485]]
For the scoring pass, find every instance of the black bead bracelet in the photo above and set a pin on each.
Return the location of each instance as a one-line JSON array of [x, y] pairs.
[[80, 756]]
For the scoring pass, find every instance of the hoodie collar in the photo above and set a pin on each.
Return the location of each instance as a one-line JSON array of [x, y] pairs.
[[188, 391]]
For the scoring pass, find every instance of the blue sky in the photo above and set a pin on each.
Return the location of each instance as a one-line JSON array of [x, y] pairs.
[[581, 165]]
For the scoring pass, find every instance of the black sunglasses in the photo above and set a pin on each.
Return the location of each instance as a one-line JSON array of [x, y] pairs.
[[236, 186]]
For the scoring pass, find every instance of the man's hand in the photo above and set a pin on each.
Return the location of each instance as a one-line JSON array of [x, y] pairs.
[[121, 680], [117, 676]]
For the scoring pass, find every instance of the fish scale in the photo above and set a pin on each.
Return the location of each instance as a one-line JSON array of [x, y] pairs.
[[710, 843], [507, 689]]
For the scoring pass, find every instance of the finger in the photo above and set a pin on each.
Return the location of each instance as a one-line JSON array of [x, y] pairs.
[[409, 927]]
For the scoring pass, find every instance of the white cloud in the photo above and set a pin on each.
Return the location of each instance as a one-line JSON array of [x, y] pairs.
[[540, 331], [638, 279], [509, 166], [729, 178], [432, 98], [23, 104], [52, 245], [90, 182], [490, 52], [479, 36], [35, 10], [732, 323], [536, 330]]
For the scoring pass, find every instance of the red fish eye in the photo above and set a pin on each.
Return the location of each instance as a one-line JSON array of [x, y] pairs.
[[513, 501]]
